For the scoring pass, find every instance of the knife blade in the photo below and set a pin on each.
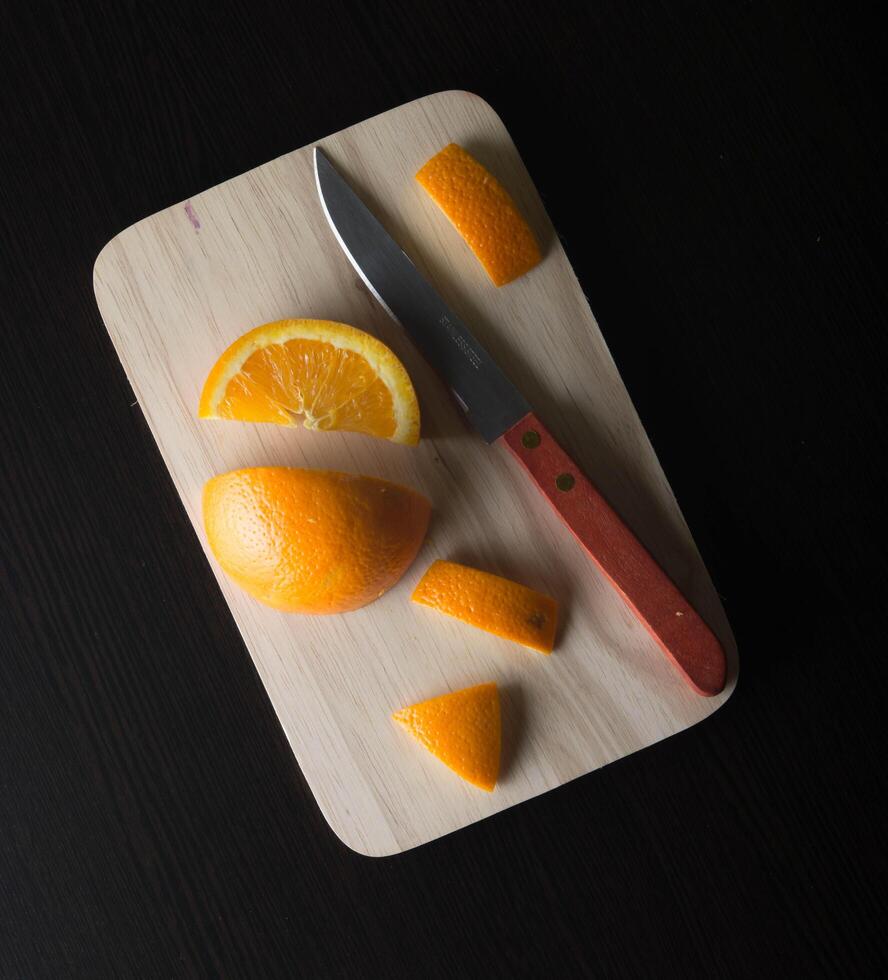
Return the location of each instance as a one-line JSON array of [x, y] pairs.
[[492, 403], [500, 414]]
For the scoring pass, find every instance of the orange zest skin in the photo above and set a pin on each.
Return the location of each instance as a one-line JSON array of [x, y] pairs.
[[312, 541], [326, 374], [482, 211], [491, 603], [462, 729]]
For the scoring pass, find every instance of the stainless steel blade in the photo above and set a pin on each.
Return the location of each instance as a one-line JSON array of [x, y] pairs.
[[492, 403]]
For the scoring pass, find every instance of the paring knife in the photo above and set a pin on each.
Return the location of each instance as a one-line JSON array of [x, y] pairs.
[[500, 414]]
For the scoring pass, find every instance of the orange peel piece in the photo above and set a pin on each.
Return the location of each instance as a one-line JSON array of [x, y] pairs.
[[462, 729], [490, 602], [482, 211]]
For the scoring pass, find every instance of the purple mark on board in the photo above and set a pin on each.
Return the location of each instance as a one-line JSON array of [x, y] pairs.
[[192, 217]]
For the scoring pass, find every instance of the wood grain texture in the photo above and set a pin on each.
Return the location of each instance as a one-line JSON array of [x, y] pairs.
[[178, 287]]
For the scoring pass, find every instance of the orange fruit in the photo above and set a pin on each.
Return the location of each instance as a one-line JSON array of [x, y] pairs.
[[329, 375], [462, 730], [312, 541], [482, 211], [491, 603]]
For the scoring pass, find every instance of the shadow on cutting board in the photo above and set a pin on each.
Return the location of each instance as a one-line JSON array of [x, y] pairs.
[[513, 709]]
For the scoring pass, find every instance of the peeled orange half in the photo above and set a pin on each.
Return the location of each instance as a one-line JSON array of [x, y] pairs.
[[324, 374], [312, 541]]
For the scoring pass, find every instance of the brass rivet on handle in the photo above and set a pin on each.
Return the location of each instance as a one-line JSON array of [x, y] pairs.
[[530, 439], [564, 482]]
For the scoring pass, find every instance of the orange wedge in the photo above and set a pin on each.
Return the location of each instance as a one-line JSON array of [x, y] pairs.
[[482, 212], [312, 541], [491, 603], [462, 729], [328, 375]]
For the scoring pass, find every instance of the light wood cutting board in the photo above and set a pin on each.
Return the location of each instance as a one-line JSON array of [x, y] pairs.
[[178, 287]]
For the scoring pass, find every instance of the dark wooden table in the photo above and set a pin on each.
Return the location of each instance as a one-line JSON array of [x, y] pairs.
[[716, 172]]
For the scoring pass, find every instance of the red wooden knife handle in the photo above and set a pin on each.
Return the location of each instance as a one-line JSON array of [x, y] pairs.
[[651, 595]]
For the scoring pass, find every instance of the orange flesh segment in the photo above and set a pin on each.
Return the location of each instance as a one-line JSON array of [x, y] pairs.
[[308, 377], [491, 603], [325, 374], [482, 211], [462, 729]]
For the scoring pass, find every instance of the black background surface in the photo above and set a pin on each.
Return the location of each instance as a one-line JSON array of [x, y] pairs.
[[717, 174]]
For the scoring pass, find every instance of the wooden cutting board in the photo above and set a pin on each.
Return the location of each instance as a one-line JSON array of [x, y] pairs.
[[178, 287]]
